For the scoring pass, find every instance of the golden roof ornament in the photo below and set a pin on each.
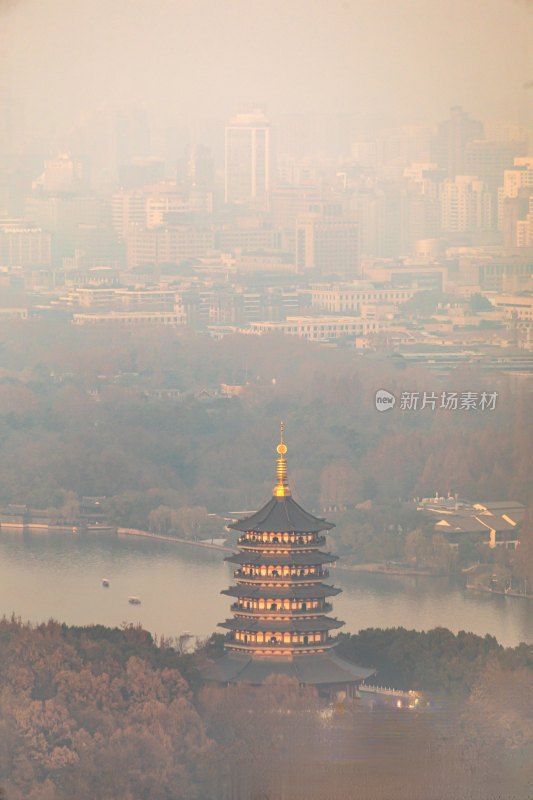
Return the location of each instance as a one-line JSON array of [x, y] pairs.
[[281, 489]]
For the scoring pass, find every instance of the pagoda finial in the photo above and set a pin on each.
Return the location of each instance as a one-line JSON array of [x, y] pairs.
[[281, 489]]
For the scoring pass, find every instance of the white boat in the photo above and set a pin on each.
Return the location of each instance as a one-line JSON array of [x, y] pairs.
[[105, 582], [135, 601]]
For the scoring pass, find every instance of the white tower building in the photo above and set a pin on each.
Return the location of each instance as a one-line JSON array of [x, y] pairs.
[[247, 158]]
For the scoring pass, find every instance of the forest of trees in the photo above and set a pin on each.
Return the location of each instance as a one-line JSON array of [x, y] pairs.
[[75, 417], [97, 712], [435, 661]]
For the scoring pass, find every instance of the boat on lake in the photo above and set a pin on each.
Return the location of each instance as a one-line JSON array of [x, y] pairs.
[[135, 601], [105, 582]]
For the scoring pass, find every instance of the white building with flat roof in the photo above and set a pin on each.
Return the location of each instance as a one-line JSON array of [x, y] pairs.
[[342, 297], [316, 329]]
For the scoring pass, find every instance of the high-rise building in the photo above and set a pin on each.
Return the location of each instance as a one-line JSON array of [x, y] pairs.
[[287, 202], [247, 159], [66, 216], [163, 203], [24, 245], [465, 205], [330, 246], [128, 208], [280, 624], [514, 199], [170, 244], [452, 139], [62, 174], [519, 176], [524, 227], [488, 160]]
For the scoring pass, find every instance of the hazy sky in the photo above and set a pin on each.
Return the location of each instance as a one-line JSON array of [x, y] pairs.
[[414, 58]]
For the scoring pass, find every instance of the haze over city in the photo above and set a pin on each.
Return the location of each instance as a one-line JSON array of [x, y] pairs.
[[394, 62], [266, 392]]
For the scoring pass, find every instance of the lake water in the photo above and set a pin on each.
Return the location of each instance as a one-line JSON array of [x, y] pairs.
[[58, 576]]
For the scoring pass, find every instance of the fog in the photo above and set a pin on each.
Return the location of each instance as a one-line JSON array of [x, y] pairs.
[[220, 214], [397, 61]]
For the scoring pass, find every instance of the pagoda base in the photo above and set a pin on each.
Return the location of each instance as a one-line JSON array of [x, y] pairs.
[[326, 671]]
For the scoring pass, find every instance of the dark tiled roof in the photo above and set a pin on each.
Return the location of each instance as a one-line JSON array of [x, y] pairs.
[[296, 625], [296, 559], [280, 515], [315, 592], [314, 669]]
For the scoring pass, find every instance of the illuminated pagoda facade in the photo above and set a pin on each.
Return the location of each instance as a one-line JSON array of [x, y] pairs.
[[281, 610]]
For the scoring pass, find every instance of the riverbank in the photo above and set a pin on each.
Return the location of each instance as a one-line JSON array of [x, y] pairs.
[[160, 537]]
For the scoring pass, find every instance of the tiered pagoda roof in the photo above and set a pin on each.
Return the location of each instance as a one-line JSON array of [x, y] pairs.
[[280, 623], [297, 625], [323, 670], [296, 559], [318, 591], [282, 513]]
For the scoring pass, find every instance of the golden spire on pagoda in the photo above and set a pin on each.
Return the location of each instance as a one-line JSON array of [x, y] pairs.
[[281, 489]]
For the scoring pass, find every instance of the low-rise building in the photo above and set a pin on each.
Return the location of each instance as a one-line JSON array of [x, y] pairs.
[[316, 329], [342, 297], [495, 523], [408, 274], [516, 306], [174, 318]]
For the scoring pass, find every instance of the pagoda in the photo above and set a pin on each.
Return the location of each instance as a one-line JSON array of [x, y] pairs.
[[281, 611]]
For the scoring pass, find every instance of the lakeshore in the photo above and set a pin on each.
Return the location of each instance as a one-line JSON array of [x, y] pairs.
[[502, 592], [383, 569], [164, 538], [377, 568], [180, 587], [371, 568], [39, 527]]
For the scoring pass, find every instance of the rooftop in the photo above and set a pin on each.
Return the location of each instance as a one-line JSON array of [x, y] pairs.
[[280, 515], [315, 669]]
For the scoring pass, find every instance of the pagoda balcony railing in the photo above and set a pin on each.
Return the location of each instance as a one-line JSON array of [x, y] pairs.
[[284, 612], [234, 643], [293, 544], [295, 577]]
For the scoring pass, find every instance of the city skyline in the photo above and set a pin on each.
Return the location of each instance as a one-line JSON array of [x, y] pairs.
[[220, 214]]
